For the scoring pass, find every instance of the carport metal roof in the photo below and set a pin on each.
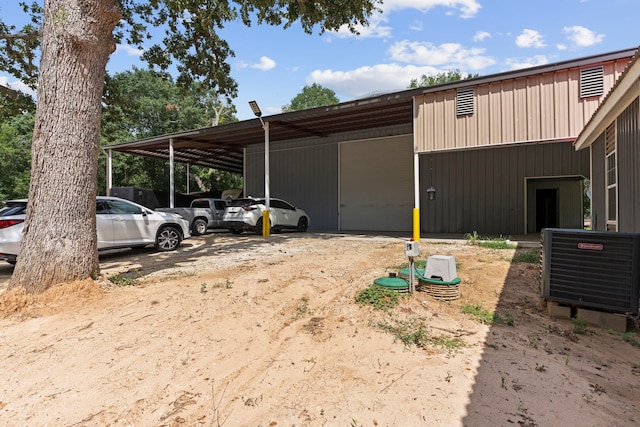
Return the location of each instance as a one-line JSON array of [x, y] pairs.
[[221, 147]]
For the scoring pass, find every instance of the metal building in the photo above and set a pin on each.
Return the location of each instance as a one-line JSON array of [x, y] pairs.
[[495, 152]]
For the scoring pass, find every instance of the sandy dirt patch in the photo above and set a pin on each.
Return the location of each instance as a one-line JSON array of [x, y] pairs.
[[247, 331]]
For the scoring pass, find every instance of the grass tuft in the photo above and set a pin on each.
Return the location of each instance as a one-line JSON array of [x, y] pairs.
[[380, 297]]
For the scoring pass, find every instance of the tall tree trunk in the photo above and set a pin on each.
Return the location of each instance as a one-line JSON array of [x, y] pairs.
[[59, 242]]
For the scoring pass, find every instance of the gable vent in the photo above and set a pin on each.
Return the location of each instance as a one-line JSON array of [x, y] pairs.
[[464, 102], [591, 82]]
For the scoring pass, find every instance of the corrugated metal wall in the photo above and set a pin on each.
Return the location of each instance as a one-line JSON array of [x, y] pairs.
[[484, 190], [598, 185], [533, 108], [628, 156], [570, 202], [305, 172], [304, 175]]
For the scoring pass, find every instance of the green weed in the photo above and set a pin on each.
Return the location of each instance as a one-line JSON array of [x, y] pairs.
[[482, 315], [540, 368], [303, 309], [630, 337], [492, 243], [119, 280], [414, 332], [531, 256], [380, 297], [579, 325]]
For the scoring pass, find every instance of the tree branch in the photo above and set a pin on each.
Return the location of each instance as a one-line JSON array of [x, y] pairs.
[[21, 36]]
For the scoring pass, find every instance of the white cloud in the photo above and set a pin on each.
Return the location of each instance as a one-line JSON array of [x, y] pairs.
[[447, 55], [466, 8], [17, 85], [369, 79], [481, 36], [530, 38], [129, 50], [581, 36], [265, 64], [417, 26], [377, 27], [533, 61]]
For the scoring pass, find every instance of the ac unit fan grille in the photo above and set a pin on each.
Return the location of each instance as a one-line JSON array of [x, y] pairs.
[[602, 274]]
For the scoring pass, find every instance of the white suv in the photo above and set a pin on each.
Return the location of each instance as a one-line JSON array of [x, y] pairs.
[[119, 224], [246, 214]]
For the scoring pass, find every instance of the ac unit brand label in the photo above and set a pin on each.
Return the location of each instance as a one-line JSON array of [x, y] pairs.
[[591, 246]]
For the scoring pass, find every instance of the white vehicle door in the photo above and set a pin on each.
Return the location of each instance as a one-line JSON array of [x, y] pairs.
[[131, 224], [104, 225], [284, 213]]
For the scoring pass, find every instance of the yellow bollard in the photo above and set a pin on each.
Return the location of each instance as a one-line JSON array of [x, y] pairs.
[[416, 224], [266, 224]]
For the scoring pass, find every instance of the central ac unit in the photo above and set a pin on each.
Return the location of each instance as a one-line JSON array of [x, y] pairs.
[[591, 269]]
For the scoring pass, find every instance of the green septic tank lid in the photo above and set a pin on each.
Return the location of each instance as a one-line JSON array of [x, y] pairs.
[[396, 283]]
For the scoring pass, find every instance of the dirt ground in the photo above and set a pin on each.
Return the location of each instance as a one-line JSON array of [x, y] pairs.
[[247, 331]]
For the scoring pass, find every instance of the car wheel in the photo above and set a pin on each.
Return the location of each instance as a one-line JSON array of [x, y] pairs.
[[168, 239], [199, 227], [303, 224], [236, 230], [258, 228]]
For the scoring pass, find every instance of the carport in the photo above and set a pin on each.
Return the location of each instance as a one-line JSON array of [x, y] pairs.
[[223, 147]]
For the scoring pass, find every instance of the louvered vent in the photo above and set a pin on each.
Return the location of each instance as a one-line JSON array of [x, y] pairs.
[[591, 82], [464, 102], [591, 269]]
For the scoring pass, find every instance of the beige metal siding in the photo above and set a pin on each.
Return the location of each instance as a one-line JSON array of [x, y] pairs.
[[533, 108]]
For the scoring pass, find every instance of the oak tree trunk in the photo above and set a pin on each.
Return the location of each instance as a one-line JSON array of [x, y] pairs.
[[59, 242]]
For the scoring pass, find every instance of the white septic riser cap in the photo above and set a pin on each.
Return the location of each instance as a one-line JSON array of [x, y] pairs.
[[441, 266]]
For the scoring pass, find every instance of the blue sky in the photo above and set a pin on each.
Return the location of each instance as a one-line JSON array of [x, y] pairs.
[[408, 39]]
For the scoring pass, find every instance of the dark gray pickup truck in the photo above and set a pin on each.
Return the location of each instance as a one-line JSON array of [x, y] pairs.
[[203, 214]]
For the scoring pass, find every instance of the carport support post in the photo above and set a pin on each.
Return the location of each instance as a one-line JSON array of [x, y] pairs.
[[171, 180], [266, 222], [109, 173], [416, 189]]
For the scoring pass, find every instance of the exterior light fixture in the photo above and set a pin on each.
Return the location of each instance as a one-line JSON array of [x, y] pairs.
[[256, 110], [431, 193]]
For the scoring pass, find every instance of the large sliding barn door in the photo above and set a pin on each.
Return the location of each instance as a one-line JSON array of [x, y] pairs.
[[376, 184]]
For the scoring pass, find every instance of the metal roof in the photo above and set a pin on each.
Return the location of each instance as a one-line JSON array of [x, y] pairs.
[[221, 147]]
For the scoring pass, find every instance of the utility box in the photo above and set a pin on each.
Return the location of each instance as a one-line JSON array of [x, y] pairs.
[[442, 267], [411, 249]]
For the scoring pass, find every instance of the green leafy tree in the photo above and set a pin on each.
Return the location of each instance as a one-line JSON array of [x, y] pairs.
[[311, 97], [14, 103], [144, 103], [76, 40], [449, 76], [15, 156]]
